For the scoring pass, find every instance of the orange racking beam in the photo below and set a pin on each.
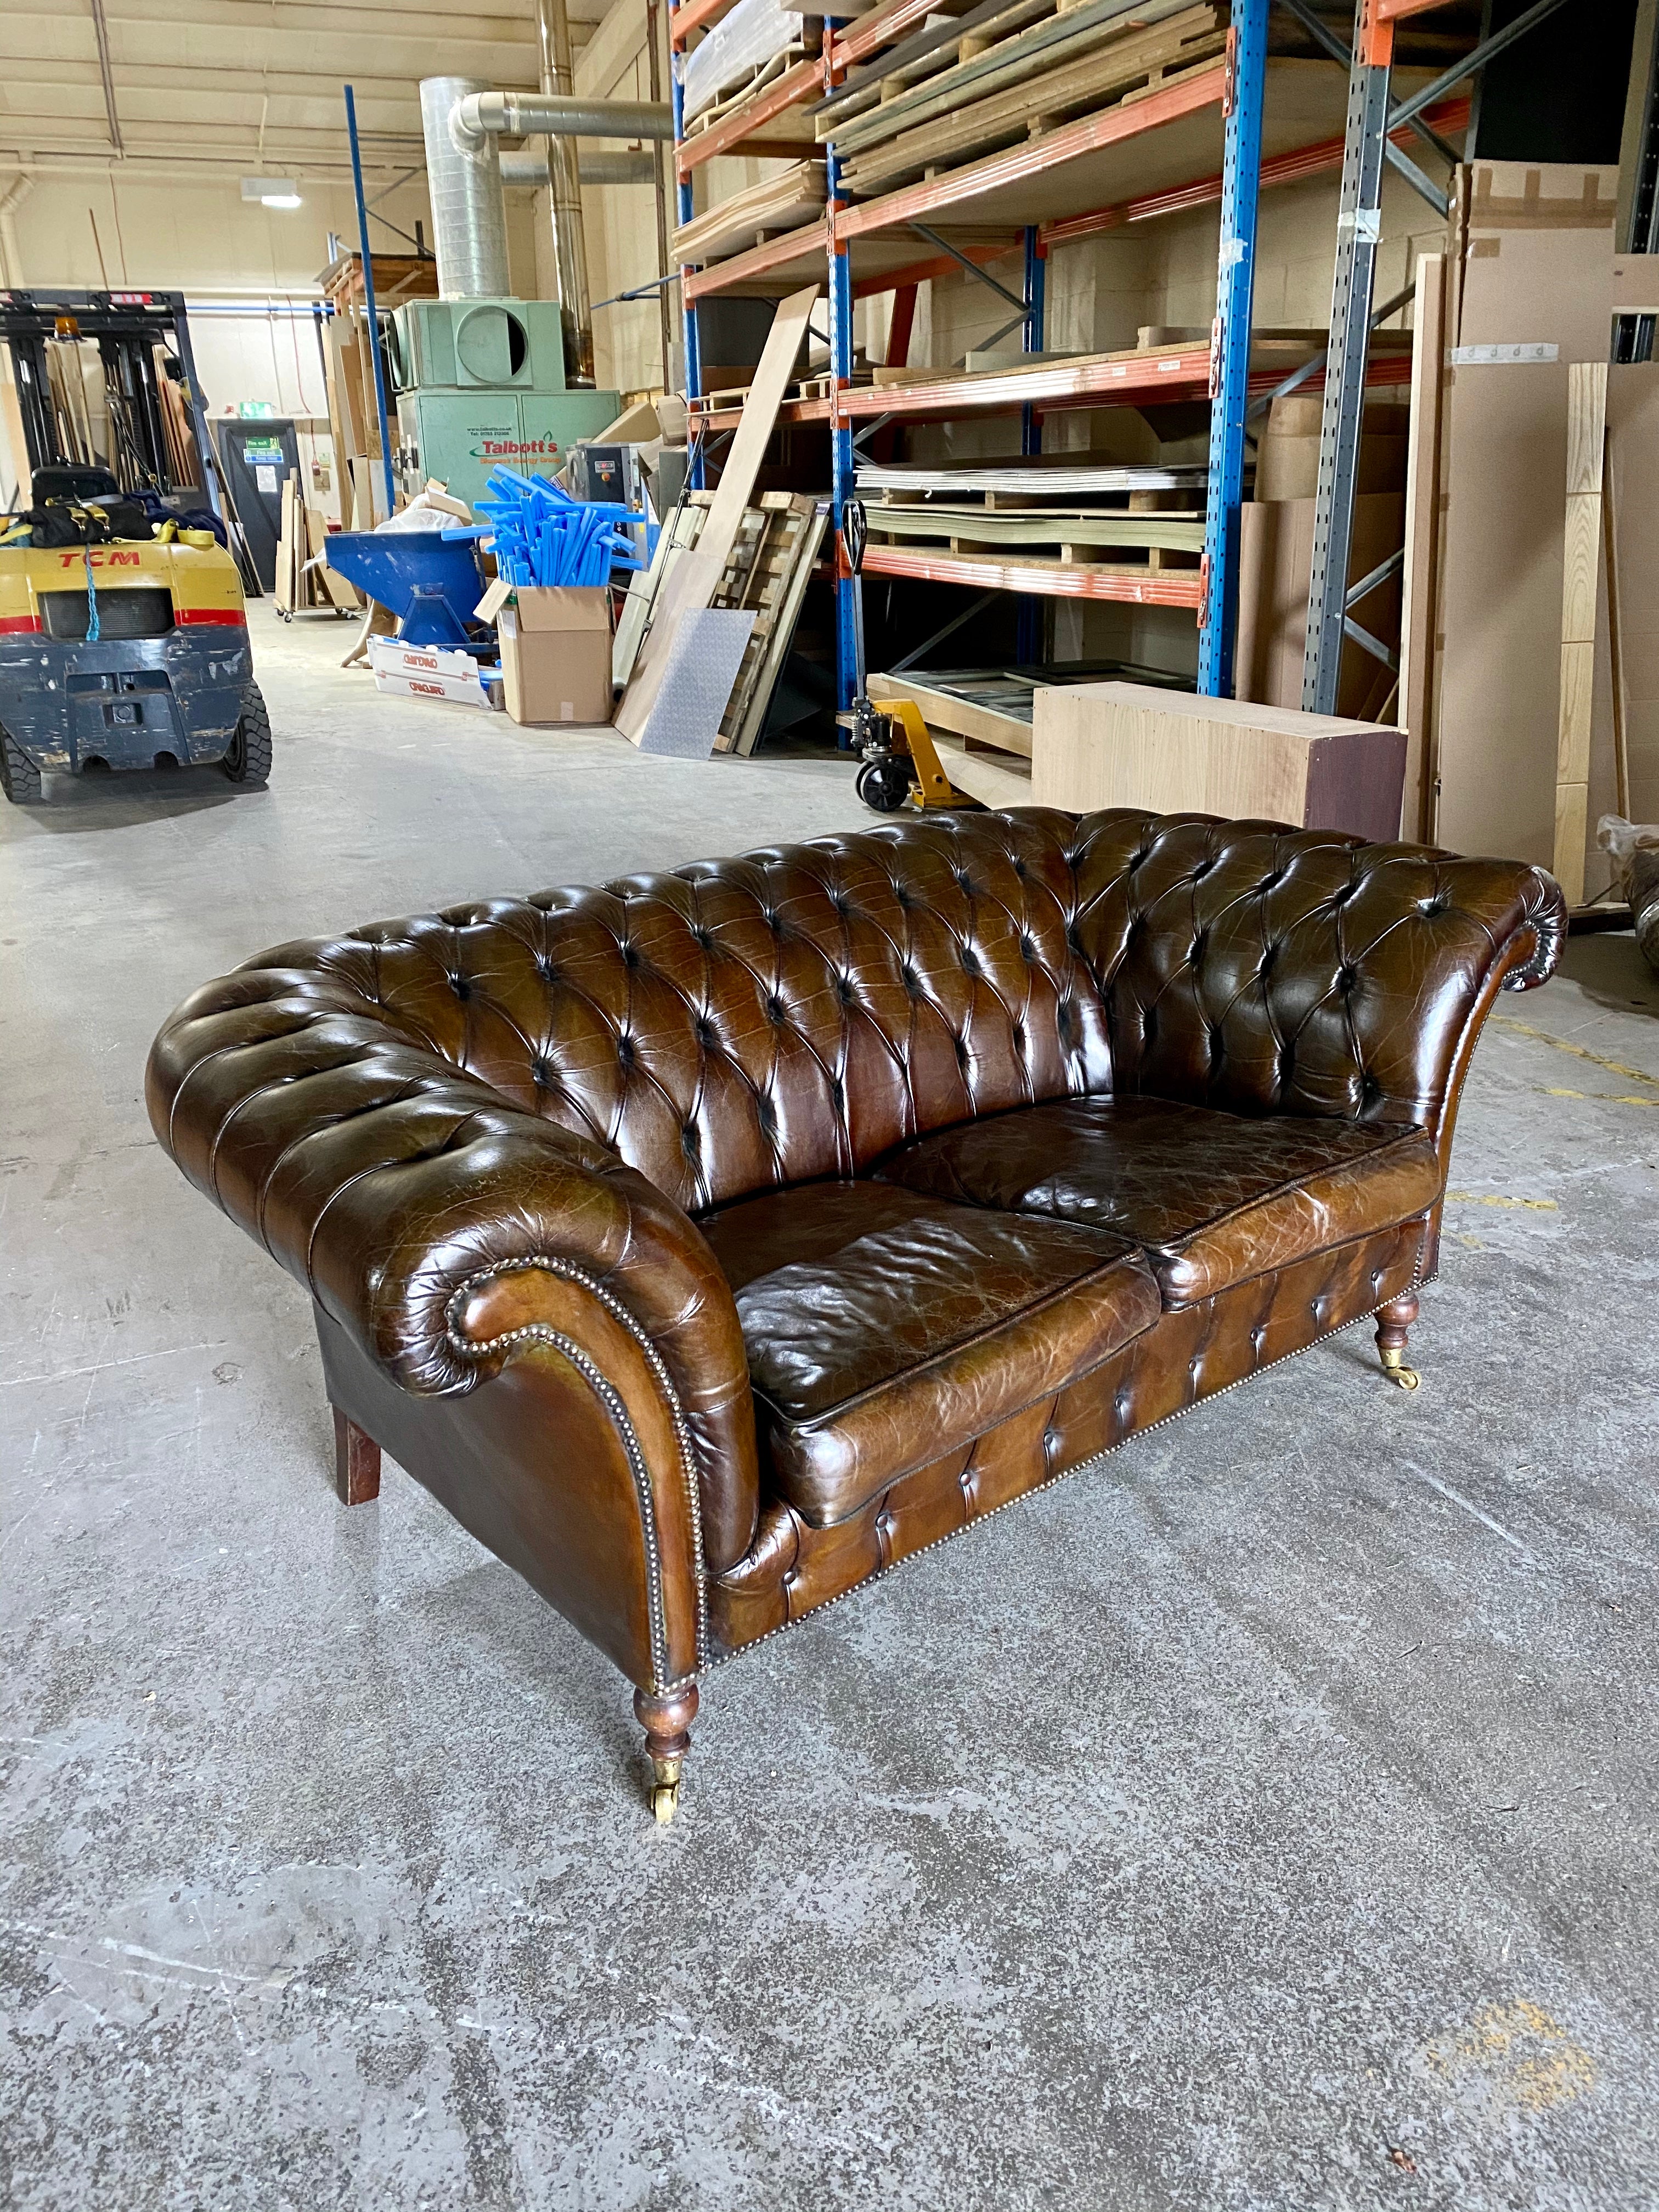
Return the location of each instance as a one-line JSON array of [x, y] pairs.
[[1289, 169], [802, 82], [758, 262], [694, 15], [1146, 587]]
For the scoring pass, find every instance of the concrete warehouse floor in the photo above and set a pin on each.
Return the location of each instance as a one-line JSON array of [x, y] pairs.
[[1263, 1818]]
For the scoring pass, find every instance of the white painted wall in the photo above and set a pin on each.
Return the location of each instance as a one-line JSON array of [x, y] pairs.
[[196, 234]]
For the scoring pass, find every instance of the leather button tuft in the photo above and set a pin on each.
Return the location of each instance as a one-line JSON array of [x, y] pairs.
[[777, 1012], [630, 955], [911, 980], [461, 987], [1346, 978], [970, 960], [1028, 948]]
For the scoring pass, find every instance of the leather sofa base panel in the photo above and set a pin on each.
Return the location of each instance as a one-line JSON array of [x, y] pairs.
[[1193, 1352]]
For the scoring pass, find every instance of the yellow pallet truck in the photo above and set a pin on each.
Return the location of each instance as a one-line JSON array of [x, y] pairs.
[[899, 764]]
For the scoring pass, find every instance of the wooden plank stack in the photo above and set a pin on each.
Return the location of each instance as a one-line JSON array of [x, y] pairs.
[[304, 580], [1007, 70], [784, 201]]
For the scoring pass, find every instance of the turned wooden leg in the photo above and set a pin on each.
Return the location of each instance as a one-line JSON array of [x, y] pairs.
[[667, 1725], [1394, 1323], [356, 1462]]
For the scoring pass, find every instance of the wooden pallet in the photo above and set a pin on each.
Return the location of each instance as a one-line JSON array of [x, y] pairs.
[[766, 572], [1079, 532]]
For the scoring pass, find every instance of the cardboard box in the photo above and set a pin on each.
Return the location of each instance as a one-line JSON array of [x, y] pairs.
[[1096, 745], [555, 654], [1287, 458]]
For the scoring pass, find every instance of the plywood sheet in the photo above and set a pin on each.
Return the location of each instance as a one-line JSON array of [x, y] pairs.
[[1537, 269]]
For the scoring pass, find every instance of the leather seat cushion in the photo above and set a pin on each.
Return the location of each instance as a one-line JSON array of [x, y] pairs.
[[885, 1328], [1211, 1199]]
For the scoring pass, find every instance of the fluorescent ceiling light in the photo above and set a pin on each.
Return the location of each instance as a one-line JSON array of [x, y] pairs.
[[272, 191]]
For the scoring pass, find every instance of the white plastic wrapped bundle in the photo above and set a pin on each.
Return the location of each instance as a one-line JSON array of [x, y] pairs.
[[1635, 849], [741, 41]]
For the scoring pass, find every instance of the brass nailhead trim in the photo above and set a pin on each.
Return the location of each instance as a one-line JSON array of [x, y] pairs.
[[538, 1332]]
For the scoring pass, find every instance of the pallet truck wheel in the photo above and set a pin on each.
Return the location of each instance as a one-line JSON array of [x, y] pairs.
[[247, 758], [884, 784], [20, 779]]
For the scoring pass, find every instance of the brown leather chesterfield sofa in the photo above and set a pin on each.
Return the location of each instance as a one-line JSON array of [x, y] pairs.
[[709, 1243]]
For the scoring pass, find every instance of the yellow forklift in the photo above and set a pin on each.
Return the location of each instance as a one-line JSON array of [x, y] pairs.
[[123, 635]]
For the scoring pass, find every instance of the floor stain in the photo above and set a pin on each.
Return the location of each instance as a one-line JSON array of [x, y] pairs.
[[1513, 2058]]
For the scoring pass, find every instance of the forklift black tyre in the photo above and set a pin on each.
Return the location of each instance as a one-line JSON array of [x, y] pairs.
[[884, 784], [20, 779], [248, 757]]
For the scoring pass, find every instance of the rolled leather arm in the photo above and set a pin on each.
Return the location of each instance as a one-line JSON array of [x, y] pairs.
[[395, 1188]]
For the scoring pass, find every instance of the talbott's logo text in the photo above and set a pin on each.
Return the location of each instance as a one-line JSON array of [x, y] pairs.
[[503, 449]]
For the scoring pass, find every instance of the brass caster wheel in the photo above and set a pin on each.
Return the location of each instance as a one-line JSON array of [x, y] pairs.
[[1394, 1367], [664, 1790]]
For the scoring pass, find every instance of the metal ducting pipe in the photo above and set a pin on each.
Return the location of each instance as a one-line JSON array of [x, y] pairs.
[[469, 209], [629, 168], [480, 115], [569, 238]]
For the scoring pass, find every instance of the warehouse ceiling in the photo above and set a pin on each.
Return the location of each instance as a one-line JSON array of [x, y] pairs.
[[248, 84]]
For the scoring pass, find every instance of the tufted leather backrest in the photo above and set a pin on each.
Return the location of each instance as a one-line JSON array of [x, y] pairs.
[[792, 1014], [1266, 970]]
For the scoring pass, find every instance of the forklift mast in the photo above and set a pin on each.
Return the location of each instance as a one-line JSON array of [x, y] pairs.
[[126, 327]]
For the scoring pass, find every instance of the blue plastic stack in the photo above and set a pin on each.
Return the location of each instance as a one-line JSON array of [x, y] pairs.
[[543, 536]]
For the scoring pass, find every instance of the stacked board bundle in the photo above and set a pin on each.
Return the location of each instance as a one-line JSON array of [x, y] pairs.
[[1006, 69], [541, 535]]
